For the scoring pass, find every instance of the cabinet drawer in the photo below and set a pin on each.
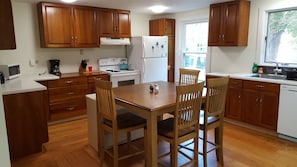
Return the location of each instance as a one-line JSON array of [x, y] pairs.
[[235, 83], [67, 82], [264, 86], [92, 79], [67, 93], [66, 110]]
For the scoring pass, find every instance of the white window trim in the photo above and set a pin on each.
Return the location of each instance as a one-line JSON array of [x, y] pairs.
[[182, 45], [262, 32]]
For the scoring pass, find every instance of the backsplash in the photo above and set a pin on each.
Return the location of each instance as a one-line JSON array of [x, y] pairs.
[[269, 69]]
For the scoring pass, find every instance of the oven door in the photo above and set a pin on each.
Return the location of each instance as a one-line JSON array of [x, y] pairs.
[[122, 80]]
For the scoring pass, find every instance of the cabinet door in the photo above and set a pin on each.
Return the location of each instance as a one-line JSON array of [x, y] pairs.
[[215, 22], [26, 122], [107, 20], [269, 110], [6, 26], [122, 23], [230, 26], [55, 25], [85, 30], [233, 104], [251, 111]]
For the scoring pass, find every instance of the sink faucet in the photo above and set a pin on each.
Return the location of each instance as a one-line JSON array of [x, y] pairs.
[[277, 70]]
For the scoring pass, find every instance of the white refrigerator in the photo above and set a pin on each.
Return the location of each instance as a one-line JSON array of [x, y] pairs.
[[149, 55]]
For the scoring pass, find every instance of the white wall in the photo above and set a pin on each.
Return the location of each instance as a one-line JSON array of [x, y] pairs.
[[28, 44]]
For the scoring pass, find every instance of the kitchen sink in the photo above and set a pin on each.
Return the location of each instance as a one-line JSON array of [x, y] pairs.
[[270, 76]]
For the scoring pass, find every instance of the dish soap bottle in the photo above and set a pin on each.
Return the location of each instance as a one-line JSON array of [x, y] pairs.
[[255, 68]]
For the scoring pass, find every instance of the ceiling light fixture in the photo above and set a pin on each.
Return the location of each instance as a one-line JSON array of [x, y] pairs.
[[68, 1], [158, 8]]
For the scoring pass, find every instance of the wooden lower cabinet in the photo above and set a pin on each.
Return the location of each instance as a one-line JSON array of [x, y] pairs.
[[234, 99], [92, 81], [67, 97], [260, 104], [26, 122], [252, 102]]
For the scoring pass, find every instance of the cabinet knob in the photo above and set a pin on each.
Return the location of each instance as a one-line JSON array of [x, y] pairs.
[[260, 86], [70, 93], [68, 82], [70, 108]]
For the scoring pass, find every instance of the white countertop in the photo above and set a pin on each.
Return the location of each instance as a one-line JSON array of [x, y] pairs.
[[249, 76], [26, 83]]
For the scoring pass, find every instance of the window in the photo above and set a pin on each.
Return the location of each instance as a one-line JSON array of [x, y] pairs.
[[281, 37], [195, 47]]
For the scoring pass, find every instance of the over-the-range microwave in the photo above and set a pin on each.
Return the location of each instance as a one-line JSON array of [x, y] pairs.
[[10, 71]]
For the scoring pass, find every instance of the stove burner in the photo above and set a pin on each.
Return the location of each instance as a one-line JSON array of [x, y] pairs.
[[113, 70]]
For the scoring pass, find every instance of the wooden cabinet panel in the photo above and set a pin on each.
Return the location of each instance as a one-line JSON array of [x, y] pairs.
[[260, 101], [6, 26], [234, 99], [166, 27], [85, 27], [26, 122], [115, 23], [64, 26], [123, 24], [55, 25], [67, 82], [229, 23], [67, 93], [67, 97], [106, 23], [68, 109], [92, 81]]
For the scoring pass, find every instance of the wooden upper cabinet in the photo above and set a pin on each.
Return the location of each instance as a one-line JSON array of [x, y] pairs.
[[115, 23], [229, 23], [6, 26], [162, 27], [85, 27], [64, 26]]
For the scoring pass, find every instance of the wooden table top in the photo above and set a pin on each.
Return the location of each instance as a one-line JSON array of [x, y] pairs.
[[139, 95]]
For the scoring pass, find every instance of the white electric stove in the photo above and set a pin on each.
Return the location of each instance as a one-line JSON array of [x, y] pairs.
[[118, 76]]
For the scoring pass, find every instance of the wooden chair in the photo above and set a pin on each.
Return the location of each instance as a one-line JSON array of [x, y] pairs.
[[185, 123], [188, 76], [213, 116], [110, 121]]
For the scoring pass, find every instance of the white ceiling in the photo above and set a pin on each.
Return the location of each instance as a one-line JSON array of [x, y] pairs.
[[141, 6]]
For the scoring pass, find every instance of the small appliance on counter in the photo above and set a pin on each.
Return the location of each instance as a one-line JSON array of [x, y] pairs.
[[292, 75], [55, 67], [10, 71]]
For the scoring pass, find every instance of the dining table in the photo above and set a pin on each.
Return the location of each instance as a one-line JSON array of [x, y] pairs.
[[150, 105]]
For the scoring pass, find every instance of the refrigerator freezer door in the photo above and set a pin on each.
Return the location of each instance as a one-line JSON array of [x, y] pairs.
[[155, 46], [151, 73]]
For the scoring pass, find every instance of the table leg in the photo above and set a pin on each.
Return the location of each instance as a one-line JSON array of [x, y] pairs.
[[152, 141]]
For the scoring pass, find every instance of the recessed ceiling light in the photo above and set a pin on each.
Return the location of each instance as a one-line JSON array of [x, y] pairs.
[[158, 8], [68, 1]]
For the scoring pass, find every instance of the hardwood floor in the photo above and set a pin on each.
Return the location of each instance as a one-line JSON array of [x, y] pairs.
[[68, 147]]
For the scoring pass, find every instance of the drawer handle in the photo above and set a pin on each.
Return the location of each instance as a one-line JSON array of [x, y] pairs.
[[70, 108], [70, 93], [98, 79], [260, 86], [68, 82]]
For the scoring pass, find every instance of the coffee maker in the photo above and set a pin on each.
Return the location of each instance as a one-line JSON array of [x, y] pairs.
[[54, 67]]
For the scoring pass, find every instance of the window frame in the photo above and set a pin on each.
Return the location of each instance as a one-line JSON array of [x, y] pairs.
[[262, 34], [183, 39]]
